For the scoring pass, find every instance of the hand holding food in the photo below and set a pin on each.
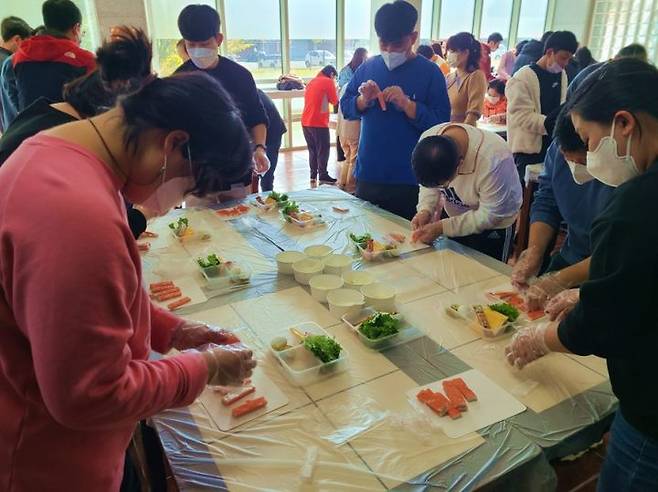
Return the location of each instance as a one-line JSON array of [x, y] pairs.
[[421, 219], [261, 161], [561, 305], [369, 90], [527, 346], [192, 334], [396, 95], [428, 233], [540, 292], [229, 365], [526, 267]]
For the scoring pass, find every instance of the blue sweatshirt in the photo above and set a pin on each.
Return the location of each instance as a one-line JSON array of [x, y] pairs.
[[389, 137], [560, 197]]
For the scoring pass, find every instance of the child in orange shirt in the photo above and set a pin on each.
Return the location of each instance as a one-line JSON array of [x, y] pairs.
[[495, 103]]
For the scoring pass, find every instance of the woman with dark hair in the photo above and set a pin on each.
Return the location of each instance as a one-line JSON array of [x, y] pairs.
[[77, 324], [347, 72], [615, 112], [467, 84]]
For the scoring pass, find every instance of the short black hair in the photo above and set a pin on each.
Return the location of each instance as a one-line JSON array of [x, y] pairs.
[[562, 41], [498, 85], [198, 23], [393, 21], [435, 160], [495, 37], [545, 36], [565, 133], [329, 71], [60, 15], [14, 26], [38, 31], [465, 41], [634, 50], [520, 45], [426, 51]]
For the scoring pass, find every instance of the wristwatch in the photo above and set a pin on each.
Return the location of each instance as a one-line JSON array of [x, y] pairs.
[[261, 146]]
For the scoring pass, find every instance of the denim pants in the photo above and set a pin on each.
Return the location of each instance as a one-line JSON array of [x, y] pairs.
[[631, 464]]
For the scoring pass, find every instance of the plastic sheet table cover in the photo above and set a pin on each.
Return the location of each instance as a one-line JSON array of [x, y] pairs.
[[356, 431]]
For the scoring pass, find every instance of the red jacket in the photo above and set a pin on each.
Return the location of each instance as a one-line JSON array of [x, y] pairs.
[[320, 92], [485, 62], [43, 64]]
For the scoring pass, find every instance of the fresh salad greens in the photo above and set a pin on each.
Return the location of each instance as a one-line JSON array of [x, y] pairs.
[[180, 226], [323, 347], [362, 240], [380, 325], [290, 208], [507, 309], [210, 261], [279, 197]]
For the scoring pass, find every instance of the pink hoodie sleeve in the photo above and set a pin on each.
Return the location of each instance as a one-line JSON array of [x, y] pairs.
[[77, 296], [163, 325]]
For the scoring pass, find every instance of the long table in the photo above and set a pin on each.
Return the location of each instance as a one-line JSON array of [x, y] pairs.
[[367, 435]]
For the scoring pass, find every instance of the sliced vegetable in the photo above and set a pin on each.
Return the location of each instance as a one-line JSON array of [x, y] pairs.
[[380, 325], [233, 396], [323, 347], [507, 309], [290, 208], [210, 261], [362, 240], [249, 406], [180, 226]]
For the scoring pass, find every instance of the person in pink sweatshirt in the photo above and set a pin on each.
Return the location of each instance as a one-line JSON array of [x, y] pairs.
[[76, 324]]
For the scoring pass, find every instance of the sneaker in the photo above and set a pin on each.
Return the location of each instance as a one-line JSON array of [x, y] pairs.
[[328, 180], [314, 183]]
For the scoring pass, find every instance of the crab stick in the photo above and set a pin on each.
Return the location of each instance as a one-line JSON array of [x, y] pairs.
[[454, 413], [233, 396], [382, 101], [249, 406], [463, 388], [172, 294], [439, 404], [165, 290], [161, 290], [158, 285], [455, 396], [180, 302], [425, 395]]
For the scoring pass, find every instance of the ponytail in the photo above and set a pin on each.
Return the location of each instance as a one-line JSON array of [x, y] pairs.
[[465, 41]]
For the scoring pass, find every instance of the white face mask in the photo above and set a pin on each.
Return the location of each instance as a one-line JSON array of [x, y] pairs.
[[606, 165], [202, 57], [393, 59], [452, 58], [492, 99], [579, 172], [170, 193]]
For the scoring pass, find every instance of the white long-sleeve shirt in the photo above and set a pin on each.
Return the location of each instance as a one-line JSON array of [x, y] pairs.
[[486, 194]]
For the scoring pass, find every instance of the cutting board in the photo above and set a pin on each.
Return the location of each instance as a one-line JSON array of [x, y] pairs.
[[221, 415], [493, 405]]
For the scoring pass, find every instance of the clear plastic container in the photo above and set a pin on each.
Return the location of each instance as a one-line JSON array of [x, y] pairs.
[[315, 221], [264, 205], [226, 275], [466, 314], [192, 234], [378, 255], [300, 366], [383, 343]]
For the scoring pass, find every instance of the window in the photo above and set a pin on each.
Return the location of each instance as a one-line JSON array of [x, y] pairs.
[[456, 16], [312, 35], [426, 9], [253, 37], [163, 17], [357, 26], [496, 17], [532, 19]]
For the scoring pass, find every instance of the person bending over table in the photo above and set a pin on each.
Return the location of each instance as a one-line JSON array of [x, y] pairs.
[[397, 95], [473, 171], [567, 192], [616, 114], [77, 324]]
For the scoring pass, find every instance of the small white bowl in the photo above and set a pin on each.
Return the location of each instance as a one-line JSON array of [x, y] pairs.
[[285, 260], [318, 251], [345, 302], [338, 264], [380, 296], [321, 285], [305, 269], [356, 280]]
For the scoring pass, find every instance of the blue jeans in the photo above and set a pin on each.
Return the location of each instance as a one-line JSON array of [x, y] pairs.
[[631, 464]]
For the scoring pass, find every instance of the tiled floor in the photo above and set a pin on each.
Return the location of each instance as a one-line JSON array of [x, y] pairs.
[[292, 172]]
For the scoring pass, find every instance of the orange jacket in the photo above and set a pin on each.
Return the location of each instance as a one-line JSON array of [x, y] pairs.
[[492, 109], [320, 92]]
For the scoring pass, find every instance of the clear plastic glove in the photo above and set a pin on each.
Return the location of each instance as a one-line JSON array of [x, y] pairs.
[[261, 161], [527, 346], [369, 90], [229, 365], [192, 334], [558, 307], [543, 290], [420, 219], [394, 94], [526, 267], [428, 233]]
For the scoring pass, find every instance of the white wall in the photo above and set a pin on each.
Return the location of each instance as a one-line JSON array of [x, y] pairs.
[[573, 15]]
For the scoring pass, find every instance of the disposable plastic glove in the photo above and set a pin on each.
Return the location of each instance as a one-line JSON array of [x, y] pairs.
[[558, 307], [369, 90], [527, 345], [228, 365], [428, 233], [543, 290], [526, 267], [192, 334], [420, 219]]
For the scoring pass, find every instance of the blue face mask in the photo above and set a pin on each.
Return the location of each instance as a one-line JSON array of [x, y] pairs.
[[393, 59]]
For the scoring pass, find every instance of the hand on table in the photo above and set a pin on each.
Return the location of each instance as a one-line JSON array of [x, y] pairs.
[[261, 161], [526, 267], [427, 233], [369, 90], [543, 290], [394, 94], [192, 334], [562, 304], [229, 365], [527, 346]]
